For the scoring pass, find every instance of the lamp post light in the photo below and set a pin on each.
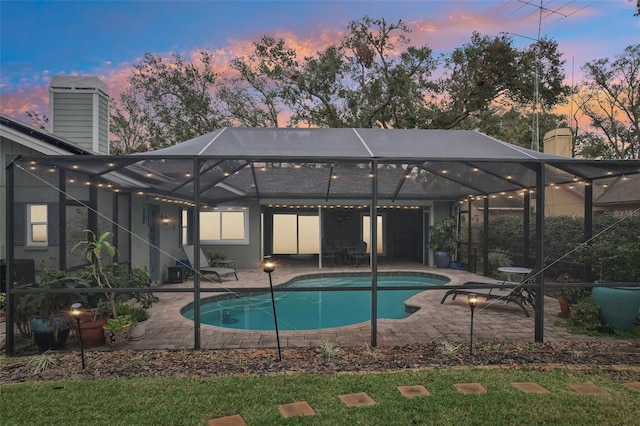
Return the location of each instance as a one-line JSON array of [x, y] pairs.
[[268, 266], [76, 312], [472, 300]]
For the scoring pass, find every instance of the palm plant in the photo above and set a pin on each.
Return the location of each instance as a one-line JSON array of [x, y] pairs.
[[94, 249]]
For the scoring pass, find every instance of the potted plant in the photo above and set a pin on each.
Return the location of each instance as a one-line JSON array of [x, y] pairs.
[[91, 322], [140, 315], [94, 250], [615, 258], [139, 278], [216, 257], [46, 312], [117, 330], [443, 238], [567, 296]]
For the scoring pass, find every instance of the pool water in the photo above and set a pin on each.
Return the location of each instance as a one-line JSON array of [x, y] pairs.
[[310, 310]]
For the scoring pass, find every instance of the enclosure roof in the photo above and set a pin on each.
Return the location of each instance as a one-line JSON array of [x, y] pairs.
[[262, 163], [349, 144]]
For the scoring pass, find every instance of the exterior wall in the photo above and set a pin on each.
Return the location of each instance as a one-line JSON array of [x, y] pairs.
[[246, 255], [72, 118], [79, 111], [37, 185], [7, 147]]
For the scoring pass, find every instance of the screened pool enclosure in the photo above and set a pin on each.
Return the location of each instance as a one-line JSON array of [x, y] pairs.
[[248, 178]]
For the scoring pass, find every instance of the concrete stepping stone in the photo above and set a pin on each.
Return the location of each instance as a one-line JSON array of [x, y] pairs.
[[470, 388], [530, 387], [634, 386], [294, 409], [235, 420], [413, 391], [587, 388], [357, 399]]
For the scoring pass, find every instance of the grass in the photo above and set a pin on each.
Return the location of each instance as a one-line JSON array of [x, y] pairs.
[[193, 400]]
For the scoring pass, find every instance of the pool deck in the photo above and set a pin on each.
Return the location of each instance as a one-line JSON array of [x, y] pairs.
[[433, 322]]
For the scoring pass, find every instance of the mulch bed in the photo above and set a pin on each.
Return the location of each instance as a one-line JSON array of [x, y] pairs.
[[602, 354]]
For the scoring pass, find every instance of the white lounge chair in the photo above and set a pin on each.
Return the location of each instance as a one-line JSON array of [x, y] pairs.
[[204, 264]]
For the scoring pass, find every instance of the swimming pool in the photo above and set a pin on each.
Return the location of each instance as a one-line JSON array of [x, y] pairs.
[[311, 310]]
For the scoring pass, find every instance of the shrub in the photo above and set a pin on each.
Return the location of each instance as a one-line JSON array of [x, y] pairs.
[[3, 303], [585, 315]]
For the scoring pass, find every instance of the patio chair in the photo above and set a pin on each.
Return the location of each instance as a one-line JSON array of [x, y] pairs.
[[204, 264], [358, 253], [330, 252], [518, 295]]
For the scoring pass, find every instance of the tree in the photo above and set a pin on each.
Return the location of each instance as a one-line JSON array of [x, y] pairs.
[[610, 98], [373, 77], [129, 125], [365, 81], [512, 124], [253, 98], [171, 101], [489, 70]]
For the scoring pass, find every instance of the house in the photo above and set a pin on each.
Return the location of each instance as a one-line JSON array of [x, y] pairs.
[[260, 191]]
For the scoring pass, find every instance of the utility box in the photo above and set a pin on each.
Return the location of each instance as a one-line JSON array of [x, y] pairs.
[[176, 274]]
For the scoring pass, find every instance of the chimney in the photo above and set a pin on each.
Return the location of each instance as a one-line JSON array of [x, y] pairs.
[[558, 142], [79, 111]]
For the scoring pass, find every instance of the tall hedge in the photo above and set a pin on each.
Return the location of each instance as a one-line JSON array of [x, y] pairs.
[[619, 243]]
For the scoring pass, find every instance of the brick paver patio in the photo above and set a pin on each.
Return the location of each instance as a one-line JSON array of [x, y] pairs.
[[493, 320]]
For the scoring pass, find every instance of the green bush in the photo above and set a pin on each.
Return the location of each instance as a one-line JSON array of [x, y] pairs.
[[612, 254], [585, 316]]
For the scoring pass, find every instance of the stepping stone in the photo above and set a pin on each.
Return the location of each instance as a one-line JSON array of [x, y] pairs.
[[294, 409], [357, 399], [530, 387], [635, 386], [235, 420], [413, 391], [587, 389], [470, 388]]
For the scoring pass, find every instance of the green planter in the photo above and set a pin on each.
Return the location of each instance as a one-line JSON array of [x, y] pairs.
[[618, 305]]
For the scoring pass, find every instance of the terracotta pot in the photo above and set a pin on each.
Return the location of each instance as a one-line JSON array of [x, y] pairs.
[[92, 334]]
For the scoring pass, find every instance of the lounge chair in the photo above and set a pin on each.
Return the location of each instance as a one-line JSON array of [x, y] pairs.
[[518, 295], [204, 264]]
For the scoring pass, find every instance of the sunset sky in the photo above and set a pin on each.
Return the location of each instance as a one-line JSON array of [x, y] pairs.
[[40, 39]]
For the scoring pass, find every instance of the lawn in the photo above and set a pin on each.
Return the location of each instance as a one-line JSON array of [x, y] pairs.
[[193, 400]]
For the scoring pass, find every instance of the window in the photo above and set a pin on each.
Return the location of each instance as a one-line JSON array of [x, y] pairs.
[[366, 233], [224, 226], [296, 234], [37, 225]]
